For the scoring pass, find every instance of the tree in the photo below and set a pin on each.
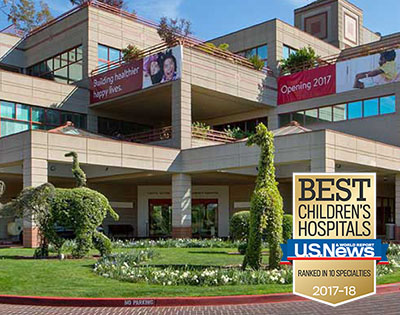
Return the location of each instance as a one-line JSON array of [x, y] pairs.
[[257, 62], [120, 4], [171, 29], [130, 53], [266, 206], [303, 59], [25, 15]]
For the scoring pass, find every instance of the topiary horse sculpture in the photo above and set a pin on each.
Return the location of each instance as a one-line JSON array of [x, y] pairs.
[[80, 209], [266, 207]]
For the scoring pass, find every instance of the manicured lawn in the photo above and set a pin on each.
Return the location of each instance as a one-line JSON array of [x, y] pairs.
[[75, 278]]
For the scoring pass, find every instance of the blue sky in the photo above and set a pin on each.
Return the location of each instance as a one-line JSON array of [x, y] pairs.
[[212, 18]]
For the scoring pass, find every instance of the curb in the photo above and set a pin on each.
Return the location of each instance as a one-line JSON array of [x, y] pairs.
[[168, 302]]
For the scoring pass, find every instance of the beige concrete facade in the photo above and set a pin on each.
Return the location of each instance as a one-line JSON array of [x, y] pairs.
[[179, 172]]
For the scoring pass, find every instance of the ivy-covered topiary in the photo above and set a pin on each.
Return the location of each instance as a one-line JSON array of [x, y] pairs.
[[80, 209], [239, 225], [266, 207], [78, 173]]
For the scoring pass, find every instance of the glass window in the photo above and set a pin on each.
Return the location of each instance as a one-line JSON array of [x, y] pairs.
[[103, 52], [387, 104], [9, 127], [72, 55], [287, 51], [251, 52], [23, 112], [311, 116], [64, 59], [325, 114], [371, 107], [38, 115], [53, 117], [114, 54], [75, 72], [49, 65], [7, 109], [57, 62], [299, 117], [339, 112], [61, 75], [354, 110], [262, 52], [79, 53]]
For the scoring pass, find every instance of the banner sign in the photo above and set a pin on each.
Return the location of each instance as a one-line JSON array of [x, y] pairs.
[[368, 71], [152, 70], [334, 251], [352, 74], [307, 84]]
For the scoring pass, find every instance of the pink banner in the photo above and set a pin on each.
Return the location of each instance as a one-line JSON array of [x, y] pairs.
[[307, 84]]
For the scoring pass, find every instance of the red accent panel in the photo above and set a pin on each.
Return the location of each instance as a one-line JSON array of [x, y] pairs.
[[307, 84]]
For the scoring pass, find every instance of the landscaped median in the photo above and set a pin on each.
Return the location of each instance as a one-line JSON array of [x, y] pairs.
[[150, 269]]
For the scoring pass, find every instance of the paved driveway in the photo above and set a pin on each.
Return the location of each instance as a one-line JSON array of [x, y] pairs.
[[378, 304]]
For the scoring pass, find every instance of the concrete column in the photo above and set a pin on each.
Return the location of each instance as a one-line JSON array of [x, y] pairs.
[[34, 174], [92, 123], [322, 165], [181, 206], [181, 114], [273, 122], [397, 207]]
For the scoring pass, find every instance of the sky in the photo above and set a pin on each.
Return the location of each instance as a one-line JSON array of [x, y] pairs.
[[213, 18]]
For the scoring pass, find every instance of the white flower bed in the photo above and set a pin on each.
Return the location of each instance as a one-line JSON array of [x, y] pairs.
[[176, 243]]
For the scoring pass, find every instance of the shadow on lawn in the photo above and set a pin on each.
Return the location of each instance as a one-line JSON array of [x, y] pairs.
[[209, 252]]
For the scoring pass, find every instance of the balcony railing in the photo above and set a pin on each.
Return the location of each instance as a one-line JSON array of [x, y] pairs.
[[165, 133]]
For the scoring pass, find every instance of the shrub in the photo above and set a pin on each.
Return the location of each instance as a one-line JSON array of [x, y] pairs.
[[258, 64], [239, 225], [237, 133], [393, 255], [223, 46], [131, 53], [304, 58], [211, 276], [242, 248], [287, 227]]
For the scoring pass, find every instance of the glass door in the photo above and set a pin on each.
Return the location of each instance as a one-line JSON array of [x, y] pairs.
[[160, 218], [385, 214], [204, 218]]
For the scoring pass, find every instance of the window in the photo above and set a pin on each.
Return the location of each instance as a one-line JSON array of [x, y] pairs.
[[339, 112], [63, 68], [325, 114], [245, 125], [260, 51], [352, 110], [371, 107], [16, 118], [387, 105], [107, 55], [287, 51]]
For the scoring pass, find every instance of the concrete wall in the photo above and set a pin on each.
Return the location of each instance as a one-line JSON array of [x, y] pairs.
[[369, 36], [8, 54]]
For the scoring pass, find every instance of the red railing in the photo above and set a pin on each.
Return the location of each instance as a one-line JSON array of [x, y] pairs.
[[151, 135], [165, 133], [211, 135]]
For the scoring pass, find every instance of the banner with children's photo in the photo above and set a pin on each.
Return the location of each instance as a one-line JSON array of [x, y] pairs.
[[368, 71], [152, 70]]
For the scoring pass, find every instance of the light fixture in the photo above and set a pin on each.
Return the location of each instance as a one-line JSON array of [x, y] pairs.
[[52, 168]]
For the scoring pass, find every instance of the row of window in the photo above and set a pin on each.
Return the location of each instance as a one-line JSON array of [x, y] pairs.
[[106, 55], [260, 51], [64, 68], [245, 125], [115, 128], [352, 110], [16, 118]]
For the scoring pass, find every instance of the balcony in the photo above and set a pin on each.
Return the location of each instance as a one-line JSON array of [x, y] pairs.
[[201, 137]]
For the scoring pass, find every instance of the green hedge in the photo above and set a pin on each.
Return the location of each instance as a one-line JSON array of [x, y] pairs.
[[239, 225]]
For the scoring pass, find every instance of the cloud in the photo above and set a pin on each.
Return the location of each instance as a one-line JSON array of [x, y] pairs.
[[154, 9]]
